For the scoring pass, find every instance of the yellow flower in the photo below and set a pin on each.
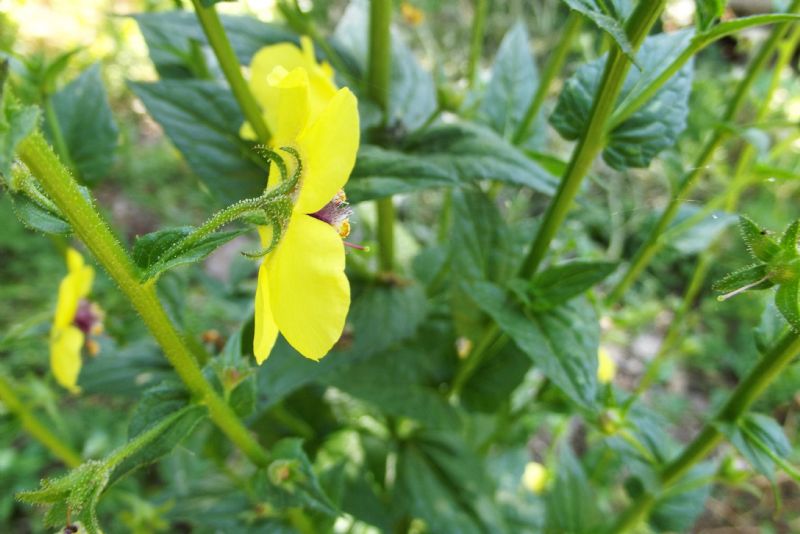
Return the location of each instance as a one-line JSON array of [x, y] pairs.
[[411, 14], [67, 338], [606, 367], [303, 292], [534, 478]]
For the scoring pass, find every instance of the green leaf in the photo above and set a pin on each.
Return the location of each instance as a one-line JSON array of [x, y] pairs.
[[38, 217], [16, 122], [150, 250], [446, 485], [790, 238], [290, 482], [744, 277], [650, 129], [87, 124], [444, 155], [607, 20], [171, 36], [679, 510], [562, 342], [758, 240], [758, 438], [495, 380], [570, 503], [512, 84], [787, 300], [560, 283], [708, 11], [203, 119], [700, 235]]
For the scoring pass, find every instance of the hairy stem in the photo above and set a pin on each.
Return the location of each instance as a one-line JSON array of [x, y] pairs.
[[655, 240], [554, 64], [218, 39], [33, 426], [95, 233]]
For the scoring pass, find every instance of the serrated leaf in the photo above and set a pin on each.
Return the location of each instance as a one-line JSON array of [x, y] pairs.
[[37, 217], [558, 284], [87, 124], [651, 128], [512, 84], [598, 12], [203, 119], [708, 11], [754, 433], [744, 277], [562, 342], [758, 240], [570, 504], [150, 250], [444, 155], [787, 300]]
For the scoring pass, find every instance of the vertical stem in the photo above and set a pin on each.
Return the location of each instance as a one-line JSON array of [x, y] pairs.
[[556, 60], [592, 139], [36, 428], [748, 390], [59, 143], [476, 43], [219, 42], [378, 82], [654, 240], [87, 224]]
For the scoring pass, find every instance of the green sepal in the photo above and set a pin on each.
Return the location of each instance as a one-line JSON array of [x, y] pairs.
[[787, 300], [744, 277], [790, 238], [759, 243]]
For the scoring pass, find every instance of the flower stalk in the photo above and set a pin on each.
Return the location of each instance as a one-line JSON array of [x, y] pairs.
[[218, 39], [378, 82], [90, 227], [476, 43], [655, 241], [33, 426]]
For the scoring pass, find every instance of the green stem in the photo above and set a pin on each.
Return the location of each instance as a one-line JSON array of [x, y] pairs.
[[35, 427], [593, 138], [92, 229], [476, 43], [218, 39], [143, 439], [756, 381], [484, 347], [554, 64], [378, 83], [59, 143], [655, 240]]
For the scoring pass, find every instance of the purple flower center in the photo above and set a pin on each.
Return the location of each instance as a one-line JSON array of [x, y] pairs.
[[87, 317]]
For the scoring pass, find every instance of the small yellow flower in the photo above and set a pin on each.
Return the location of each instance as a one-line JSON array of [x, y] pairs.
[[606, 367], [67, 337], [534, 478], [411, 14], [303, 292]]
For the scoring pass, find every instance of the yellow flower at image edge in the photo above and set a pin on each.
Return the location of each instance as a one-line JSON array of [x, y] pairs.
[[73, 320], [303, 292]]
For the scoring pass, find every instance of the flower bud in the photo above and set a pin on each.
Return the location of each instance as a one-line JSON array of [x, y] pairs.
[[535, 477]]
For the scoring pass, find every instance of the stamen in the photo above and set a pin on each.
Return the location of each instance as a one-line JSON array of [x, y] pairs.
[[357, 247]]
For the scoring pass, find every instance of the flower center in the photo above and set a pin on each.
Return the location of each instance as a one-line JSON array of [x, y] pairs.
[[336, 213], [88, 318]]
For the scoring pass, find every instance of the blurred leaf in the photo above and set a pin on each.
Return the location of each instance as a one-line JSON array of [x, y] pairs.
[[650, 129], [570, 502], [560, 283], [125, 372], [512, 84], [605, 17], [702, 234], [495, 380], [562, 342], [708, 11], [758, 437], [443, 155], [202, 119], [290, 482], [150, 250], [170, 36], [445, 484], [787, 300], [87, 124], [680, 509]]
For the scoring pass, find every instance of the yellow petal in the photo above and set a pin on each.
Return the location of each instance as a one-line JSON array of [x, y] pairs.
[[68, 298], [74, 260], [266, 331], [328, 148], [310, 294], [65, 356], [606, 367], [83, 274], [289, 57]]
